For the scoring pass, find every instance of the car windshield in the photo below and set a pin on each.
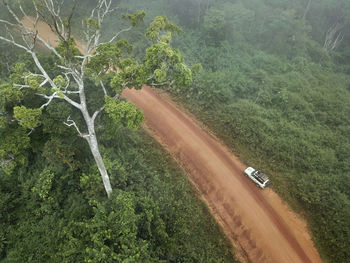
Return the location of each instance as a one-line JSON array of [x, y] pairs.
[[264, 177]]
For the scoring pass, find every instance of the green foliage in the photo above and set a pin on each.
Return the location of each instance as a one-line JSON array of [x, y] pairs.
[[159, 26], [111, 234], [268, 88], [9, 95], [53, 207], [90, 185], [273, 93], [135, 18], [68, 49], [124, 113], [60, 81], [167, 66], [228, 21], [13, 144], [58, 152], [92, 23], [161, 52], [63, 216], [17, 73], [53, 117], [28, 118], [109, 56], [159, 75], [44, 184], [196, 68], [188, 12], [214, 21]]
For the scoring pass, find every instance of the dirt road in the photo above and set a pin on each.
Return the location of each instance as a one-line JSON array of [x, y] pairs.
[[257, 220], [45, 33]]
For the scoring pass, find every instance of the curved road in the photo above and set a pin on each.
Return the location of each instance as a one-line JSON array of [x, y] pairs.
[[263, 228]]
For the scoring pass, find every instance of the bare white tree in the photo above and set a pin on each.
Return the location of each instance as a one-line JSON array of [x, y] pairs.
[[307, 8], [73, 66], [334, 36]]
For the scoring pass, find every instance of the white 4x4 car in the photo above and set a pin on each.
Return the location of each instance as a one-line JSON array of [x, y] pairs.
[[257, 177]]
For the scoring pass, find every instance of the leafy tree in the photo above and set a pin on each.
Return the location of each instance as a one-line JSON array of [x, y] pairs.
[[109, 65], [57, 214]]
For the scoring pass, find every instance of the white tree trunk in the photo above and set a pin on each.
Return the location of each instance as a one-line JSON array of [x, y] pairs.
[[71, 71], [92, 141], [307, 9], [99, 162], [333, 36]]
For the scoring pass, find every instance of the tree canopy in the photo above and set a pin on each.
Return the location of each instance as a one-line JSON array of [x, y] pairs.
[[110, 65], [52, 204], [275, 87]]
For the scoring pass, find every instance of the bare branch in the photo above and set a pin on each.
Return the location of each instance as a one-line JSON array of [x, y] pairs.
[[42, 70], [72, 102], [121, 31], [49, 46], [7, 22], [73, 67], [99, 12], [49, 99], [71, 123], [103, 87], [43, 83], [11, 41], [86, 56], [26, 31], [170, 83], [33, 75], [333, 36], [70, 17], [31, 131], [96, 113], [68, 81], [12, 13], [102, 108], [63, 67], [72, 92], [21, 86], [10, 159], [55, 96]]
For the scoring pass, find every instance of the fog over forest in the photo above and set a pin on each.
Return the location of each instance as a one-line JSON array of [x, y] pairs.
[[270, 78]]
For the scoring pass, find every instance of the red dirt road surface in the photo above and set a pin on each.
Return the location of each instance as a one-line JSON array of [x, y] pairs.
[[262, 228]]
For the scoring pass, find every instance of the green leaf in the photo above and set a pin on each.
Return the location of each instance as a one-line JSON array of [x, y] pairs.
[[68, 49], [159, 26], [9, 94], [28, 118], [124, 113], [135, 18], [17, 73], [92, 23], [12, 146], [43, 184], [60, 81]]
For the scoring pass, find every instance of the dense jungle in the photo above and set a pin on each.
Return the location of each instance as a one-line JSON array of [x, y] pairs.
[[273, 85]]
